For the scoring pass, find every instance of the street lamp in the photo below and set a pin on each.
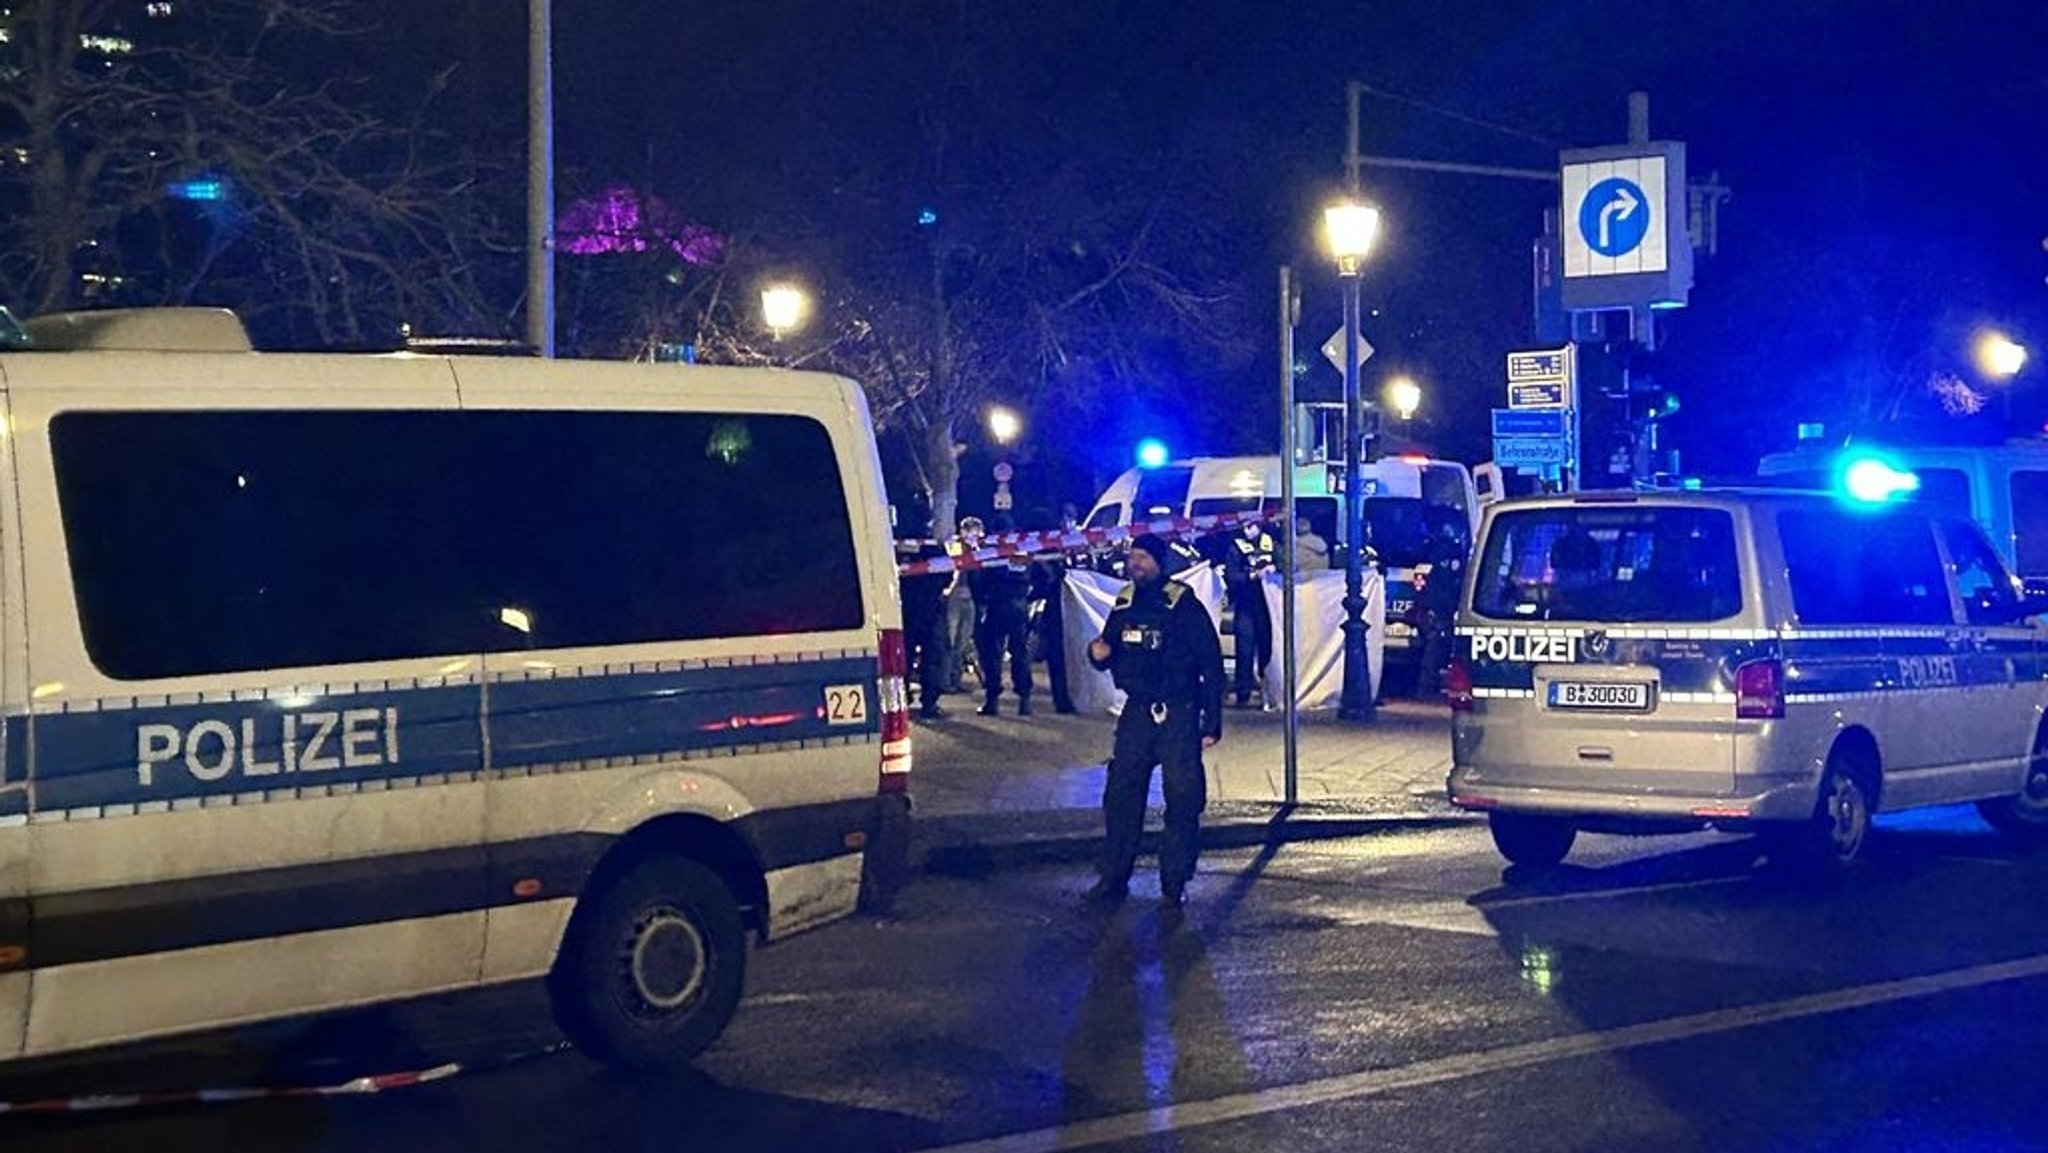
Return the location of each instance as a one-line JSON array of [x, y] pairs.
[[1004, 424], [1405, 395], [783, 307], [1350, 229], [1998, 356]]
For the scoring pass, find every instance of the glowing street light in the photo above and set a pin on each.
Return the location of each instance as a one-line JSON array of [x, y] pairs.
[[1350, 229], [1405, 395], [783, 307], [1004, 424], [1997, 355]]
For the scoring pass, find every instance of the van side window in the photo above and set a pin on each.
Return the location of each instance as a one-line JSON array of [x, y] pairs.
[[1987, 591], [212, 542], [1944, 492], [1162, 491], [2030, 522], [1869, 568], [1108, 516]]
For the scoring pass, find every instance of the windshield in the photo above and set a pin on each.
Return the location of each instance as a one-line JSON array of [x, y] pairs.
[[1609, 564]]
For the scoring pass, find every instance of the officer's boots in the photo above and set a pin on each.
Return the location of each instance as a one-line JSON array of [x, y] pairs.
[[988, 706]]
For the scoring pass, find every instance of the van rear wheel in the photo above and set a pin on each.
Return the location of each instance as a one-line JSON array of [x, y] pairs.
[[653, 966], [2024, 816], [1531, 841], [1829, 842]]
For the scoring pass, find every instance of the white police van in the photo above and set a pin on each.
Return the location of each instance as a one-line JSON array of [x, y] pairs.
[[336, 679], [1777, 661]]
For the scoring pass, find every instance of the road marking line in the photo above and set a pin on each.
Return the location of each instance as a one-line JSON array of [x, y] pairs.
[[1597, 894], [1376, 1082]]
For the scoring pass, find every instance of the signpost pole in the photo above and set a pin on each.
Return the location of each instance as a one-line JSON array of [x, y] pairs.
[[1290, 452]]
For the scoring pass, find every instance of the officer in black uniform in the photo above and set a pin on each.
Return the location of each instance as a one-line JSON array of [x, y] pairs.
[[1002, 624], [1248, 559], [924, 609], [1161, 648], [1438, 603]]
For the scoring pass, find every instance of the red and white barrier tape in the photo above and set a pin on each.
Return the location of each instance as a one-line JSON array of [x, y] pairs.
[[1024, 545], [355, 1086]]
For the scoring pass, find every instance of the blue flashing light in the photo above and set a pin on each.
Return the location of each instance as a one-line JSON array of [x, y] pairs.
[[203, 190], [1151, 452], [927, 217], [1875, 481]]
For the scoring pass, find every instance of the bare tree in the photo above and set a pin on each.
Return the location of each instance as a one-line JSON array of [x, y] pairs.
[[299, 201]]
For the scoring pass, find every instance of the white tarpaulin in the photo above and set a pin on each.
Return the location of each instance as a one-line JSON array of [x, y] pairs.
[[1089, 597], [1319, 635]]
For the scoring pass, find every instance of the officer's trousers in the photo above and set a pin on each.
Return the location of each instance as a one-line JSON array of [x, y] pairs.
[[1251, 626], [1004, 629], [1175, 745]]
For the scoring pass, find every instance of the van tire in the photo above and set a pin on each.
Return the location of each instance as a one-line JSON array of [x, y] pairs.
[[1531, 841], [1830, 842], [2023, 817], [653, 965]]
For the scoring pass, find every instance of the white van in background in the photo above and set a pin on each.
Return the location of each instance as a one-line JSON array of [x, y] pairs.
[[1404, 497], [335, 679]]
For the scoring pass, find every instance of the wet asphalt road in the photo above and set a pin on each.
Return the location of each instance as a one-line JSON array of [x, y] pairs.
[[1393, 991]]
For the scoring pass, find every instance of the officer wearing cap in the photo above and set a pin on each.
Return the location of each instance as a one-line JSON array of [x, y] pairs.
[[1161, 648]]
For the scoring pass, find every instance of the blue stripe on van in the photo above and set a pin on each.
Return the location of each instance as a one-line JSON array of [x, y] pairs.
[[542, 722], [124, 756]]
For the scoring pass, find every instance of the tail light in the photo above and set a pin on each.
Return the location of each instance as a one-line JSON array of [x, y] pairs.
[[1458, 686], [1760, 690], [895, 705]]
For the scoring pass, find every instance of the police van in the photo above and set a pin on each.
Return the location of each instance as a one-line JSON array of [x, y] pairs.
[[1405, 497], [2003, 487], [1781, 662], [336, 679]]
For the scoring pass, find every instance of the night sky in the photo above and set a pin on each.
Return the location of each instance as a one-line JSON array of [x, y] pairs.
[[1886, 161]]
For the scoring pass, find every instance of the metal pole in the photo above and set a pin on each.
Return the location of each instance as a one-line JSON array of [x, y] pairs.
[[1352, 159], [1355, 702], [1289, 453], [540, 178]]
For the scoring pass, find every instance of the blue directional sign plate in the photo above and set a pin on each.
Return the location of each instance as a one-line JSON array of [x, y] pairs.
[[1530, 452], [1526, 422]]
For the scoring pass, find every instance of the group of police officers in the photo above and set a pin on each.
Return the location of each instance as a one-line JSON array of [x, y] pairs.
[[1160, 648]]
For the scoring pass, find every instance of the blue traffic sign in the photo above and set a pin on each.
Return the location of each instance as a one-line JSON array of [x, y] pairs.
[[1524, 422], [1614, 216]]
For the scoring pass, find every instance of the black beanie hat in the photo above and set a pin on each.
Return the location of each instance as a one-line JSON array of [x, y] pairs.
[[1158, 548]]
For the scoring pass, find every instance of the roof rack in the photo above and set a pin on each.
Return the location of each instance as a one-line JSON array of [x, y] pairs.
[[139, 330]]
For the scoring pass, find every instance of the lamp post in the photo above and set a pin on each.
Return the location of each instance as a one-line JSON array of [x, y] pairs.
[[783, 307], [1350, 229]]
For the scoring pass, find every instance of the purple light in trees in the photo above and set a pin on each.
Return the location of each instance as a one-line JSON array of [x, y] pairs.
[[619, 219]]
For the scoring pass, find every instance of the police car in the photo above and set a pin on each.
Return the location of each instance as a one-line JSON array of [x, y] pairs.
[[334, 679], [1782, 662]]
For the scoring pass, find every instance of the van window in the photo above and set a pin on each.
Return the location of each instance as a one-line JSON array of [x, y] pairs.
[[1944, 492], [211, 542], [1982, 581], [1610, 564], [1162, 492], [1863, 568], [1216, 505], [2030, 521], [1108, 516]]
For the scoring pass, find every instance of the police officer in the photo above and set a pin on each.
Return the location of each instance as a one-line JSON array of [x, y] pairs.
[[1002, 623], [1438, 604], [1245, 565], [924, 610], [1162, 651]]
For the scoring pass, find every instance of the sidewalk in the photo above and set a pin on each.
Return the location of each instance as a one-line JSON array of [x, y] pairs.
[[993, 792]]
